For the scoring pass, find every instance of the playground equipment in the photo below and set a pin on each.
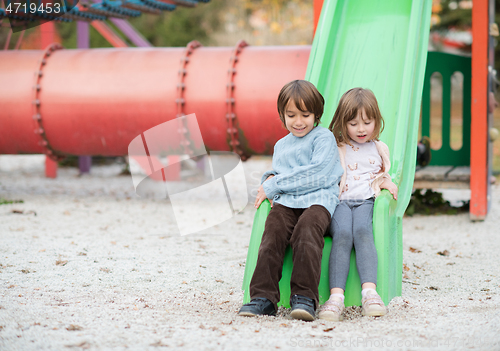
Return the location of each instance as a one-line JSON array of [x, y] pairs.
[[383, 46], [448, 168], [470, 167], [94, 102]]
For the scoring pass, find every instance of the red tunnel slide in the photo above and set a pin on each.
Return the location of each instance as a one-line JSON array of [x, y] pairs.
[[94, 102]]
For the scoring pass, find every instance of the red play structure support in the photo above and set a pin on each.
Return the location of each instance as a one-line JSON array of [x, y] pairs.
[[317, 5], [479, 113]]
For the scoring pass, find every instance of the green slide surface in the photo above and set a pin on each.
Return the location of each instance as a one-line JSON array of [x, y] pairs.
[[380, 45]]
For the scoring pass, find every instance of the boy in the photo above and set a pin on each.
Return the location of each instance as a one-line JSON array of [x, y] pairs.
[[303, 189]]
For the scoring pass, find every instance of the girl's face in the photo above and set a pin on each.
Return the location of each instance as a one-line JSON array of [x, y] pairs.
[[297, 122], [360, 129]]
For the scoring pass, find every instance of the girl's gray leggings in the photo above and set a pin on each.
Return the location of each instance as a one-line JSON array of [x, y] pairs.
[[352, 225]]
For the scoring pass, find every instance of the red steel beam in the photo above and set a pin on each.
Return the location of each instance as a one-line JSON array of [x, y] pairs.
[[479, 112], [317, 6]]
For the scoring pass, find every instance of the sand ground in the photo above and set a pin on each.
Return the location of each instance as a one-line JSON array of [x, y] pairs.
[[86, 264]]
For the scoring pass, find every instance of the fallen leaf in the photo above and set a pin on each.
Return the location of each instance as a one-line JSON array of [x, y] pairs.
[[60, 262], [432, 288], [73, 327], [412, 249], [83, 345], [219, 280], [82, 254], [328, 329], [159, 343], [444, 253], [405, 267]]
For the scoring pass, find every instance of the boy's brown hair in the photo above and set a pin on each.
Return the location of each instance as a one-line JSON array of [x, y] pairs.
[[353, 101], [305, 96]]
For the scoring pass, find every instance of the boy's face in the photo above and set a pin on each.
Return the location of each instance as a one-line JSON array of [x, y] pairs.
[[297, 122], [360, 129]]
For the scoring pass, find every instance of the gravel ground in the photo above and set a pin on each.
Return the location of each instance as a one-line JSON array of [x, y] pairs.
[[86, 264]]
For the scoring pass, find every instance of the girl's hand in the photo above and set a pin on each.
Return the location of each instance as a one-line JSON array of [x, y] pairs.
[[389, 185], [261, 195]]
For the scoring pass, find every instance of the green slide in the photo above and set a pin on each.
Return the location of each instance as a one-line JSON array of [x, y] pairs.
[[380, 45]]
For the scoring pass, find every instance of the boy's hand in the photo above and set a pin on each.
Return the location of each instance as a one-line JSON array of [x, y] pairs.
[[389, 185], [261, 195]]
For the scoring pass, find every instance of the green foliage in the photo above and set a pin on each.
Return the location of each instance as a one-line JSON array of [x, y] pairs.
[[69, 161], [7, 201], [459, 18], [431, 202], [179, 27], [69, 35]]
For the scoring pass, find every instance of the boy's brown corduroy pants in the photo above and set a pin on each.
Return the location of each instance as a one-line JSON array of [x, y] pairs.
[[303, 229]]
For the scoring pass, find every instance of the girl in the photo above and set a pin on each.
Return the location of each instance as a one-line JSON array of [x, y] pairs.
[[357, 124]]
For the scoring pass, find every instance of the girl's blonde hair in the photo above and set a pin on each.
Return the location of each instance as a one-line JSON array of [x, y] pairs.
[[350, 104], [305, 96]]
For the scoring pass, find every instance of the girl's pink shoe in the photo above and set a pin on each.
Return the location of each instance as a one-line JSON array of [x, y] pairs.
[[332, 310], [373, 305]]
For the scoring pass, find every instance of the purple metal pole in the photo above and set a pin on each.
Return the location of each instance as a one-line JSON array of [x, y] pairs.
[[84, 163], [83, 34], [83, 42], [131, 33]]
